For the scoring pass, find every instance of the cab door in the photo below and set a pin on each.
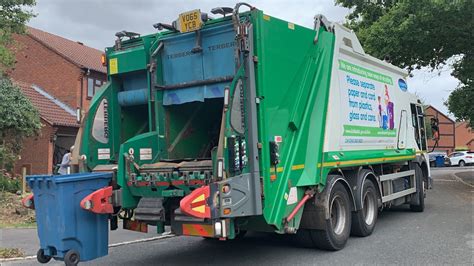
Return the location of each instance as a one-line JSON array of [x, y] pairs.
[[418, 120]]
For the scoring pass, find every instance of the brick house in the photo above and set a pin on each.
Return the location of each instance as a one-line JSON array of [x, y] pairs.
[[464, 137], [65, 74], [68, 70], [59, 128], [447, 136]]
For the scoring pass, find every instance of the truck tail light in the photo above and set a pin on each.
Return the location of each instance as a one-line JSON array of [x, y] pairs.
[[218, 228], [103, 60]]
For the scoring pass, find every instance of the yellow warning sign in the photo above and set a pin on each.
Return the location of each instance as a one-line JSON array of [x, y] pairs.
[[113, 66], [200, 208]]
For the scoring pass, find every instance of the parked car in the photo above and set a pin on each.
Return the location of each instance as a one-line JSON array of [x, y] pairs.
[[461, 158], [433, 155]]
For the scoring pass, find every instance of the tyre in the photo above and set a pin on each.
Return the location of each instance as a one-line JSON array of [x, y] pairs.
[[420, 184], [338, 226], [41, 257], [364, 220], [72, 258], [462, 163]]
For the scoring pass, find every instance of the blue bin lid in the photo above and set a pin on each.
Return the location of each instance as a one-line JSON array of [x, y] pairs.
[[69, 178]]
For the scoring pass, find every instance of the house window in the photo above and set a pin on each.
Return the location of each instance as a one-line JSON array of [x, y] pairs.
[[93, 85]]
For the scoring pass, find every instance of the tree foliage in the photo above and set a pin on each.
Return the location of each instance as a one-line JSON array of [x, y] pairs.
[[461, 103], [19, 119], [419, 33], [13, 16]]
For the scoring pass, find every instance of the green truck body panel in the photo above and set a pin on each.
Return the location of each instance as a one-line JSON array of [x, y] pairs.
[[292, 81], [293, 76]]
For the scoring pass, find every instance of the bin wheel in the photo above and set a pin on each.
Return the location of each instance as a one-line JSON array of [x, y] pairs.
[[72, 258], [41, 257]]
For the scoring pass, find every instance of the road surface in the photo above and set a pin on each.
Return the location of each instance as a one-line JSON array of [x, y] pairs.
[[443, 234]]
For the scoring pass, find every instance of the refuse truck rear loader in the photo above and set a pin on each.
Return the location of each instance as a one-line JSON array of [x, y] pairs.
[[239, 121]]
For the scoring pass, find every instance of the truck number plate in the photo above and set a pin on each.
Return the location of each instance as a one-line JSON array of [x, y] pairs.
[[190, 21]]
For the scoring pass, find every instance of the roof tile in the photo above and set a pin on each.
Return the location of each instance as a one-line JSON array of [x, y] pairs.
[[78, 53], [51, 109]]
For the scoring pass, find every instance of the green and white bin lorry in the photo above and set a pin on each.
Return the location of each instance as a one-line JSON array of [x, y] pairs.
[[246, 122]]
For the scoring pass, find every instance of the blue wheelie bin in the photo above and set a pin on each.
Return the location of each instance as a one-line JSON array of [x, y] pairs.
[[440, 161], [65, 230]]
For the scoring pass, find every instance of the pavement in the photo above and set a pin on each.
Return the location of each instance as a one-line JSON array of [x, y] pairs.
[[27, 240], [442, 234]]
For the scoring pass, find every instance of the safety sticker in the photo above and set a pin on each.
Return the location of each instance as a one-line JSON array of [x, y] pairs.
[[113, 66], [293, 196], [145, 154], [103, 154], [226, 201]]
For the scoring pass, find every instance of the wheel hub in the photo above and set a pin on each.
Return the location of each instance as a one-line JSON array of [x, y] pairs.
[[338, 215], [369, 208]]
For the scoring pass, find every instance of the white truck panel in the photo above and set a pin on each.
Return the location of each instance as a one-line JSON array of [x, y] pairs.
[[367, 100]]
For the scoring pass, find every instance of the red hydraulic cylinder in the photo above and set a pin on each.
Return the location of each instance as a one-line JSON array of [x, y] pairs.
[[298, 207]]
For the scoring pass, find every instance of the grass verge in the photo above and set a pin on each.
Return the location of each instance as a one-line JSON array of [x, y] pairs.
[[6, 253]]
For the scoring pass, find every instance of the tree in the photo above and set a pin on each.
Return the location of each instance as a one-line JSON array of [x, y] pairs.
[[19, 119], [13, 17], [419, 33], [461, 103]]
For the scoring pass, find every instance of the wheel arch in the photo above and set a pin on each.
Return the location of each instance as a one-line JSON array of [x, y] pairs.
[[333, 179], [316, 211], [357, 177], [424, 170]]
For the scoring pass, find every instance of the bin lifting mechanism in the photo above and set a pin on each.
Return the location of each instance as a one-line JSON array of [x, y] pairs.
[[99, 201]]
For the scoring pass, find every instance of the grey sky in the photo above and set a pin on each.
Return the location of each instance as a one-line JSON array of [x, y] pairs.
[[94, 22]]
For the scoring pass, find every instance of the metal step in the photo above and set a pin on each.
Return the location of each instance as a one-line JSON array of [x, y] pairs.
[[180, 216]]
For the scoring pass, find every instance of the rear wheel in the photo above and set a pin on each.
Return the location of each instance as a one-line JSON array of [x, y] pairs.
[[420, 194], [338, 226], [363, 221], [462, 163]]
